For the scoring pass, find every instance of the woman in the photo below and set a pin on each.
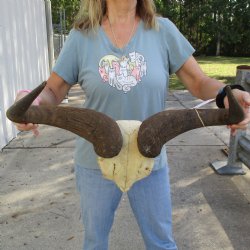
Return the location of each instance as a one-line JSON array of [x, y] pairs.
[[122, 56]]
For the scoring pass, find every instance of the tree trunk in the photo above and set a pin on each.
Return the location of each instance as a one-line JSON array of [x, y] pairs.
[[218, 44]]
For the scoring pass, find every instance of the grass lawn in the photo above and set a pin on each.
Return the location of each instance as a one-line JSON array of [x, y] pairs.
[[221, 68]]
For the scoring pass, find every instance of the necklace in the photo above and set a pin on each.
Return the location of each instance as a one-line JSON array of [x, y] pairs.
[[114, 36]]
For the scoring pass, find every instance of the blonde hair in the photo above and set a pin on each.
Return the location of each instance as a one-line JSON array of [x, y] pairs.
[[92, 12]]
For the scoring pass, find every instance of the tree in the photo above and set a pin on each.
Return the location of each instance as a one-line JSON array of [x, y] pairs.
[[214, 27], [69, 7]]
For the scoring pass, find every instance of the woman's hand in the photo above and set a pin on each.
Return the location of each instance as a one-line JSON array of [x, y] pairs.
[[27, 126], [243, 98], [53, 93]]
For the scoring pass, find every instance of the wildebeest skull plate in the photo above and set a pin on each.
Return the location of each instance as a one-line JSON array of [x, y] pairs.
[[129, 165]]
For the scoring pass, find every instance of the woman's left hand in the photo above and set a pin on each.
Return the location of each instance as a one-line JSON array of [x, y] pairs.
[[243, 98]]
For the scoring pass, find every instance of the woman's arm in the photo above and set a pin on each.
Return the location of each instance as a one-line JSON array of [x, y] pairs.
[[205, 88], [54, 91], [194, 79]]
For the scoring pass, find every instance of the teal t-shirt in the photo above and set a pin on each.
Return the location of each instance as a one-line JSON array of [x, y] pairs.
[[125, 84]]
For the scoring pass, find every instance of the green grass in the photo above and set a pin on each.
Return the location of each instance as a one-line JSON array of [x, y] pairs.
[[220, 68]]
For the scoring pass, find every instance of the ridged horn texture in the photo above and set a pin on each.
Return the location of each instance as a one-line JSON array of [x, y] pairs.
[[99, 129], [158, 129]]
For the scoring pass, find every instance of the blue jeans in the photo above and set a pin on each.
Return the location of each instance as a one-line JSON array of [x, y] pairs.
[[149, 199]]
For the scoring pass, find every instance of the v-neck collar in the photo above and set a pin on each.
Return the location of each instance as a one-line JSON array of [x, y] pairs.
[[128, 46]]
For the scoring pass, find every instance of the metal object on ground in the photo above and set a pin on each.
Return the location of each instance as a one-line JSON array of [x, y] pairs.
[[239, 146], [244, 149], [233, 166]]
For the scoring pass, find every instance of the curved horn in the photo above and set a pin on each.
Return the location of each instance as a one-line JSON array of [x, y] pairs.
[[155, 131], [101, 130]]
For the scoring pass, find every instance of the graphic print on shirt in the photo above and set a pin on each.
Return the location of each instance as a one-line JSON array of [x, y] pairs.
[[123, 73]]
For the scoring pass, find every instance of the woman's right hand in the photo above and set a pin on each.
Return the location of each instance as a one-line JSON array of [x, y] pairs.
[[27, 126], [53, 93]]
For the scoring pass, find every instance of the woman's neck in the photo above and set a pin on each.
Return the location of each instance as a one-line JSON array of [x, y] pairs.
[[120, 22], [121, 11]]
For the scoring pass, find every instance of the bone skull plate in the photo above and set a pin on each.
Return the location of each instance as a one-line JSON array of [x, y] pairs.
[[129, 165]]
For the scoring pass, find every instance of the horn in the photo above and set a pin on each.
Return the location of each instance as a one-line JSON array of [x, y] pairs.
[[99, 129], [158, 129]]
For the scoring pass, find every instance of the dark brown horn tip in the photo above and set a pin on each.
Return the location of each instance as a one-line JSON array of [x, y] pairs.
[[18, 109], [236, 112]]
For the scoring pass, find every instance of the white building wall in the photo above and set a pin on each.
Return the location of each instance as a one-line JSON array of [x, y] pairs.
[[23, 54]]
